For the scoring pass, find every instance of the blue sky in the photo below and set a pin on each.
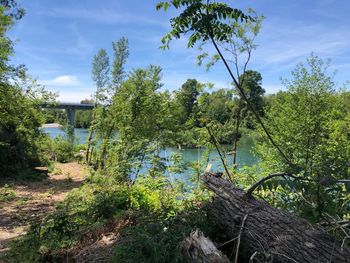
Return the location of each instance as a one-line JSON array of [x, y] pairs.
[[57, 40]]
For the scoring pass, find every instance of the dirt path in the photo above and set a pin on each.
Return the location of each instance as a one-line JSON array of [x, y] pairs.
[[33, 200]]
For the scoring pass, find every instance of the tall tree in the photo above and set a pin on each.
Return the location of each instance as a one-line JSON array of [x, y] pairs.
[[186, 98], [121, 53], [100, 75], [136, 115]]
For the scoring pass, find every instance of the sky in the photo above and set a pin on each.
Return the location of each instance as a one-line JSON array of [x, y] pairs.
[[57, 40]]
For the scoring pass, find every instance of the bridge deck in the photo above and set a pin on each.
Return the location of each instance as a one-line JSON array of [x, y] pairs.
[[68, 105]]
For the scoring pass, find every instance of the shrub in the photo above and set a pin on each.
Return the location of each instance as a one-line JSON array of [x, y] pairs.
[[63, 149], [154, 240]]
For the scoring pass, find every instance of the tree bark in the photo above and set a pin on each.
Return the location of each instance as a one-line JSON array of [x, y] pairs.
[[268, 234], [198, 249]]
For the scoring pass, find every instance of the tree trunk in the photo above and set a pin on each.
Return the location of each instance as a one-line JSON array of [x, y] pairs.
[[267, 234], [89, 140], [199, 249], [235, 139], [104, 148]]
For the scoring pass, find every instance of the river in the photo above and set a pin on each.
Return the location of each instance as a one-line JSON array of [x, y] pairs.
[[244, 154]]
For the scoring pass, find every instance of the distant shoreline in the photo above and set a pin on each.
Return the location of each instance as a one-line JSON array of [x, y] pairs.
[[51, 125]]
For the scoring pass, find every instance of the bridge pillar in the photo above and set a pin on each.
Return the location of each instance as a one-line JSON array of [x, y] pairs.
[[71, 115]]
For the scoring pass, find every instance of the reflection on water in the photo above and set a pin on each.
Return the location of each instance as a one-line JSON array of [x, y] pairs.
[[244, 154]]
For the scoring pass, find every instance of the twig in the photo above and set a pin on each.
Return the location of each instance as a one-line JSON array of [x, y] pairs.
[[227, 242], [252, 257], [239, 237]]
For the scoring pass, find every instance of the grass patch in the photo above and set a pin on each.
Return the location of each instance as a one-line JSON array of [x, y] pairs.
[[7, 193]]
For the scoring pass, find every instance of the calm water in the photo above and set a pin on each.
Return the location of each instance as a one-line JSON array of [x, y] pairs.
[[244, 156]]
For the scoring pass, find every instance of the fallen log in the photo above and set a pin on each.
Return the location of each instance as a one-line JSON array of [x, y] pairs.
[[267, 234], [198, 249]]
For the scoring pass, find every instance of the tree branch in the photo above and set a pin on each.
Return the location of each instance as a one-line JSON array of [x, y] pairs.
[[219, 152], [248, 102], [264, 179]]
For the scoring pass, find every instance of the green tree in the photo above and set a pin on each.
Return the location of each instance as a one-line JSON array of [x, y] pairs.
[[186, 100], [216, 109], [100, 75], [121, 53], [136, 114], [9, 14], [251, 85], [217, 105], [21, 140], [20, 113], [310, 122]]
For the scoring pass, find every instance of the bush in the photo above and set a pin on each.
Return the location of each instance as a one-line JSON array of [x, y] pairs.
[[63, 149], [155, 240], [20, 119]]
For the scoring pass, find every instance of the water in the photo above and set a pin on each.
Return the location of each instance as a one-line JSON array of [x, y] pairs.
[[80, 134], [244, 154]]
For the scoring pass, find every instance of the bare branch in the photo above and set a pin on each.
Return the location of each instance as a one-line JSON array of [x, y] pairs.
[[262, 180]]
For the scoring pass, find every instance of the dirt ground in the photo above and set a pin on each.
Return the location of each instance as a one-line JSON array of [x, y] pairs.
[[33, 200]]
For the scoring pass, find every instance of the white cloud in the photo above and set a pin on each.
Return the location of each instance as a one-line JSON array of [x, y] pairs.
[[64, 80], [74, 96]]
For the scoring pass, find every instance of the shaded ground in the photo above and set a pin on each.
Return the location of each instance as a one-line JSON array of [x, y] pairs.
[[33, 200]]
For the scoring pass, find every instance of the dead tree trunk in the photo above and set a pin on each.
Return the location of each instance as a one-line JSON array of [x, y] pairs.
[[268, 234], [198, 249]]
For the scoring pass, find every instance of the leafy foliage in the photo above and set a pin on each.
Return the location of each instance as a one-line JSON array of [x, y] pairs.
[[309, 121], [20, 119], [204, 20], [99, 200], [9, 13]]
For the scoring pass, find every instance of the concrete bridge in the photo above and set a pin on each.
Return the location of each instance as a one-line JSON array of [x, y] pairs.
[[70, 109]]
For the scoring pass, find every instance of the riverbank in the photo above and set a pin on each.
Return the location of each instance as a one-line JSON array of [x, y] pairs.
[[51, 125]]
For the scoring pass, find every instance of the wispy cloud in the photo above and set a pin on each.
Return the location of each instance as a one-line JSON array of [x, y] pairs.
[[64, 80], [287, 44]]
